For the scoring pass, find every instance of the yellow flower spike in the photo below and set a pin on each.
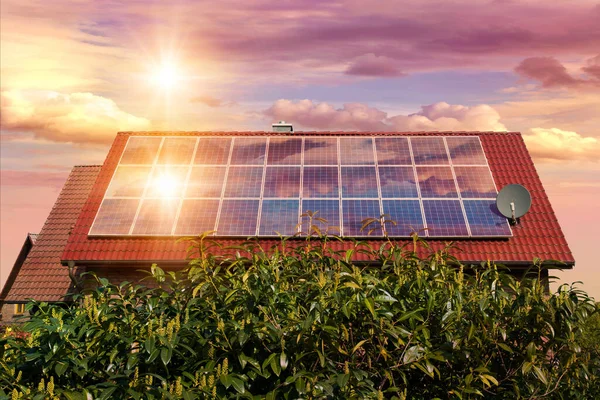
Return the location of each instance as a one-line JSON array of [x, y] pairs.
[[203, 381], [50, 387], [379, 395], [149, 380], [211, 381], [178, 387], [15, 394], [19, 376], [42, 386], [225, 369], [218, 370], [346, 368], [211, 352]]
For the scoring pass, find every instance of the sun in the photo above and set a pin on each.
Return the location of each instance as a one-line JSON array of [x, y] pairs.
[[167, 76]]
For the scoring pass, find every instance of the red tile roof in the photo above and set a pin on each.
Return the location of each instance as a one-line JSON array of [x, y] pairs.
[[538, 236], [42, 276]]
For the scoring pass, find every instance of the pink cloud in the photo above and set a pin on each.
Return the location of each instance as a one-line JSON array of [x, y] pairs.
[[551, 73], [372, 65], [211, 101], [593, 67], [357, 116]]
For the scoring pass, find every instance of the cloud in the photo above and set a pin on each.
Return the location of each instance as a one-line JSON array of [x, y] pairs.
[[361, 117], [556, 144], [593, 67], [211, 101], [551, 73], [75, 117], [372, 65]]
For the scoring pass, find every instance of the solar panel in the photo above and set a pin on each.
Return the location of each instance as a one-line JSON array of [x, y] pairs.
[[176, 151], [393, 151], [359, 182], [282, 182], [438, 186], [279, 217], [197, 216], [238, 218], [407, 217], [320, 151], [485, 219], [156, 217], [212, 151], [398, 182], [320, 182], [445, 218], [436, 182], [475, 182], [284, 151], [429, 151], [466, 150], [326, 216], [354, 212]]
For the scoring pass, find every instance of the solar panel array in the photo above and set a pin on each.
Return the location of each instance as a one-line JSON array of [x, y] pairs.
[[260, 185]]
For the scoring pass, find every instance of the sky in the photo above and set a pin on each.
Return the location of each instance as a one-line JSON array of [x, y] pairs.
[[74, 73]]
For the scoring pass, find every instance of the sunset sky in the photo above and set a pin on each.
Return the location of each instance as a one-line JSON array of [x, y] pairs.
[[73, 73]]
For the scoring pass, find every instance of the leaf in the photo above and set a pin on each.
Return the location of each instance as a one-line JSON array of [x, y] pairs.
[[540, 374], [505, 347], [107, 393], [60, 368], [370, 305], [238, 385], [359, 345], [342, 379], [165, 355], [275, 366], [226, 380]]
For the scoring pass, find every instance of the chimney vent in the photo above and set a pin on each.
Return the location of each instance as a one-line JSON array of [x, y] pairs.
[[283, 126]]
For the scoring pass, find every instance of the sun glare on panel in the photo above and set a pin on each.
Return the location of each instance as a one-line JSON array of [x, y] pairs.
[[166, 186]]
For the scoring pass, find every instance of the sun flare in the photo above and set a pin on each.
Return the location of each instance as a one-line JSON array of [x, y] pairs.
[[166, 76]]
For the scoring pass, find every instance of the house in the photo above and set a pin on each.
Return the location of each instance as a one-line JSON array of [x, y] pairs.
[[155, 187]]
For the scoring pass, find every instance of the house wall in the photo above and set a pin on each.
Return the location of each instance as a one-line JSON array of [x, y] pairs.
[[8, 314]]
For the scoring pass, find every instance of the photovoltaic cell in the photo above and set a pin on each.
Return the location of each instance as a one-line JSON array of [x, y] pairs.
[[282, 182], [140, 150], [320, 151], [444, 218], [156, 217], [167, 181], [238, 218], [356, 150], [206, 182], [359, 182], [429, 151], [466, 150], [249, 151], [406, 214], [279, 216], [436, 182], [115, 217], [326, 216], [355, 211], [212, 151], [398, 182], [475, 182], [320, 182], [189, 181], [177, 151], [393, 151], [285, 151], [485, 219], [197, 217], [244, 182], [128, 181]]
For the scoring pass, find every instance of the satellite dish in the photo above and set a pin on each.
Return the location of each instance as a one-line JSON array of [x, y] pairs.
[[513, 201]]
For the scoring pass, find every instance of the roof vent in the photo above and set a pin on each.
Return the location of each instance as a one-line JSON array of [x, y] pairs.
[[282, 126]]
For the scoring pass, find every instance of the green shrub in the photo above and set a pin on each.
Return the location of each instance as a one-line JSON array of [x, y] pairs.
[[307, 322]]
